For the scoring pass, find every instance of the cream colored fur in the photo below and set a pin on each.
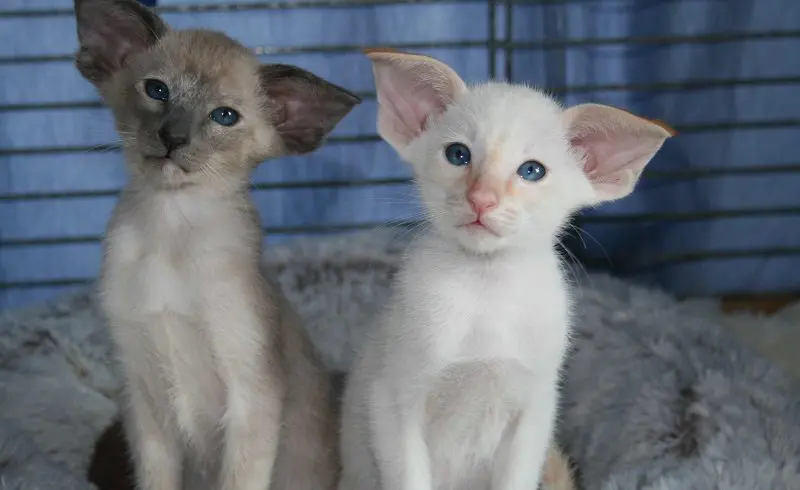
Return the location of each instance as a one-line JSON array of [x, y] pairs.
[[223, 389], [456, 386]]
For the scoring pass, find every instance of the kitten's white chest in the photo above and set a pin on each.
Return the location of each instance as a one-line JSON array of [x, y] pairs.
[[499, 317], [500, 336], [493, 328]]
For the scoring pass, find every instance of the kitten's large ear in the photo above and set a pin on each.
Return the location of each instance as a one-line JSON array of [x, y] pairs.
[[110, 31], [411, 89], [617, 146], [308, 107]]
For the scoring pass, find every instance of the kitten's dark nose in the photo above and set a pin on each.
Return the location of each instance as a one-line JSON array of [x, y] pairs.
[[172, 140]]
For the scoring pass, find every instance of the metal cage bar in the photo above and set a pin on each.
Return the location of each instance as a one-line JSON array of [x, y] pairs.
[[498, 41]]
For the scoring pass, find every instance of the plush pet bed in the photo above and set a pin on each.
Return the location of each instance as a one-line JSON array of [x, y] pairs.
[[658, 394]]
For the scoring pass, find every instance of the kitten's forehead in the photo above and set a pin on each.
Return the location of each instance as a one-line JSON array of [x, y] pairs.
[[500, 114], [208, 59]]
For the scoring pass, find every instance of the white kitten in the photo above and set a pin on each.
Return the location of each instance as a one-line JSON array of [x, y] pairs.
[[456, 387]]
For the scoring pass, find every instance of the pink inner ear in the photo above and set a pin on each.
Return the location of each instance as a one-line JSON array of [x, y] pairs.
[[410, 92], [617, 146], [608, 153], [408, 104], [590, 163]]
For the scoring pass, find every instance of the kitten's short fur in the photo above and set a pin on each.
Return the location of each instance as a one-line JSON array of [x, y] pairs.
[[224, 391], [111, 467], [456, 387]]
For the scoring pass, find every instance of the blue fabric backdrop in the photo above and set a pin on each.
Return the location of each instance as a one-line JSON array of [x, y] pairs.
[[696, 108]]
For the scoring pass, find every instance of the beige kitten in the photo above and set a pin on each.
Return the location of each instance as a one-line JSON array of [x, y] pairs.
[[224, 390]]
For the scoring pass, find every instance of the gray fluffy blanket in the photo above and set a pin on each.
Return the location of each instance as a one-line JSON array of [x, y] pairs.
[[658, 394]]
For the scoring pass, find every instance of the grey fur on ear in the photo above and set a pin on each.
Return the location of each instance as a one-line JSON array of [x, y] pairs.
[[110, 31], [308, 107]]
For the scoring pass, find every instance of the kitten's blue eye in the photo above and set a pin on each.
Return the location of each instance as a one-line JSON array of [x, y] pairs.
[[532, 171], [458, 154], [156, 89], [225, 116]]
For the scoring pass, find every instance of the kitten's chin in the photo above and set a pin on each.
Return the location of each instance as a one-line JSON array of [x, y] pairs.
[[173, 171], [166, 173], [479, 239], [167, 166]]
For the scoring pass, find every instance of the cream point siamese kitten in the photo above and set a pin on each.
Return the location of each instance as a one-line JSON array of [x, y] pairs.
[[456, 387], [224, 391]]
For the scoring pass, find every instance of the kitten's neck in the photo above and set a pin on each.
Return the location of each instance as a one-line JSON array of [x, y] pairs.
[[198, 204], [226, 220], [231, 189], [510, 253]]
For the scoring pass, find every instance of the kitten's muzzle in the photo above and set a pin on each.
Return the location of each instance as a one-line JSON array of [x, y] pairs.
[[172, 139], [176, 128]]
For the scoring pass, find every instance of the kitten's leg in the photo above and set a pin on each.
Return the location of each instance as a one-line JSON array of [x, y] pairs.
[[156, 451], [523, 450], [252, 432], [252, 373], [308, 456], [396, 426]]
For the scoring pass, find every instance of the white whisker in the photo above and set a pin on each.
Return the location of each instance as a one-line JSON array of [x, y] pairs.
[[581, 231]]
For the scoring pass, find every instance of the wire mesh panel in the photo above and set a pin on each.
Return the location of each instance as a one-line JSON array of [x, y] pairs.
[[716, 212]]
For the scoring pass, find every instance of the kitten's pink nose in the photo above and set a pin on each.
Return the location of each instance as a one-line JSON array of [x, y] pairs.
[[482, 199]]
